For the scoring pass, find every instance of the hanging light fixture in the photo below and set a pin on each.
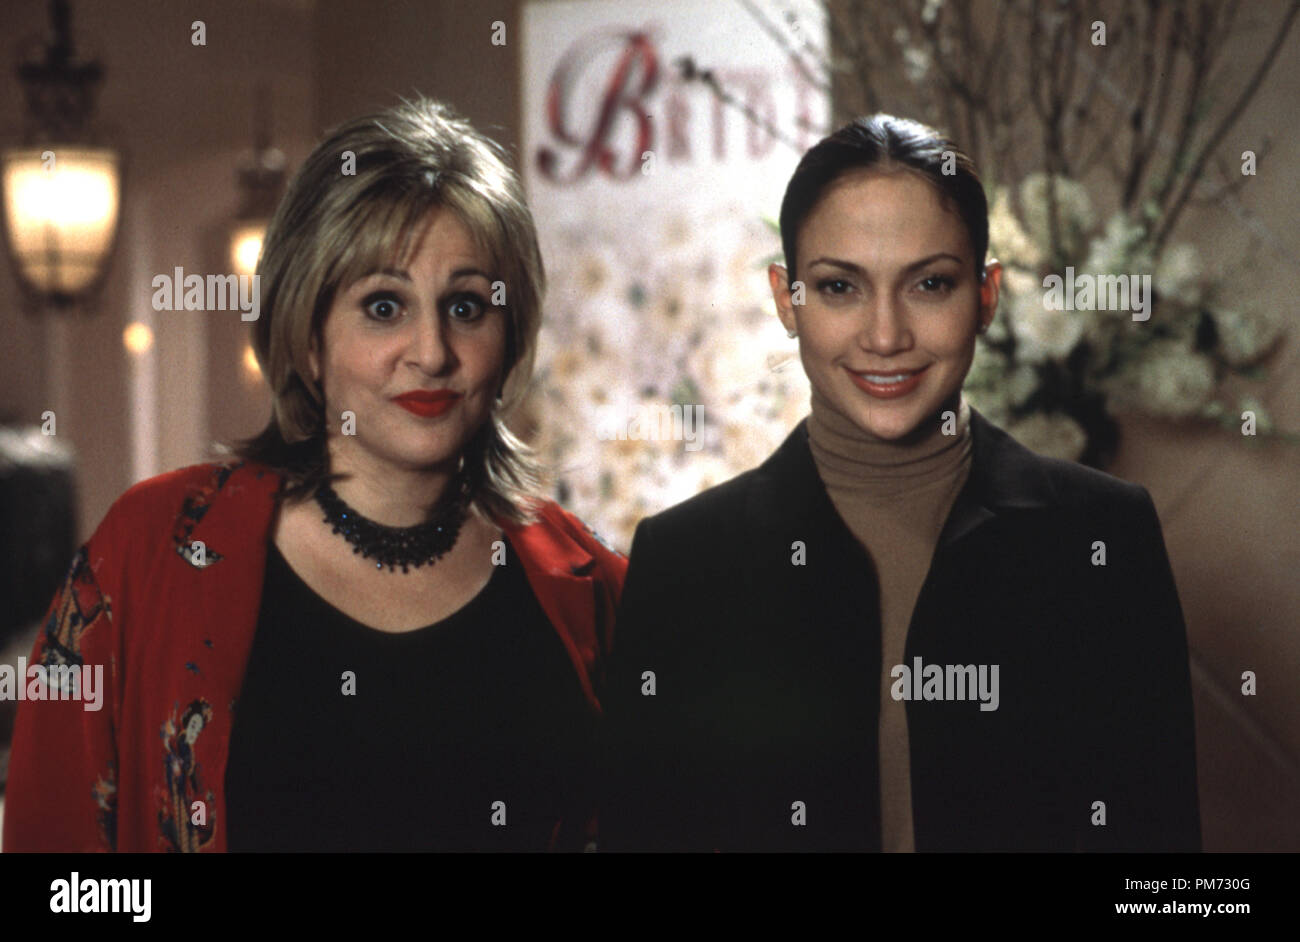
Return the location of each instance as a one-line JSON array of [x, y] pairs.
[[62, 191], [261, 184]]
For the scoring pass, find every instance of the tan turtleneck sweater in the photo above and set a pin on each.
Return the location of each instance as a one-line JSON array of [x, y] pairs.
[[894, 496]]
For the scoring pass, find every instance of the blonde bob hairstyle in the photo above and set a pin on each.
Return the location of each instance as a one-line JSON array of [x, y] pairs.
[[335, 226]]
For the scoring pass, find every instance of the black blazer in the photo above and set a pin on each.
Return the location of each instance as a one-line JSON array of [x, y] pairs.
[[766, 674]]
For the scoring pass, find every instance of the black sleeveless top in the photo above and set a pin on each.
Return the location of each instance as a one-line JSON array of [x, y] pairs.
[[469, 734]]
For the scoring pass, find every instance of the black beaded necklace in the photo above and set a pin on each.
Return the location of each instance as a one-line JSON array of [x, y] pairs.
[[416, 546]]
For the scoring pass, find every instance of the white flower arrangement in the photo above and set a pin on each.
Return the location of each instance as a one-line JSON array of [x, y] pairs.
[[1056, 378]]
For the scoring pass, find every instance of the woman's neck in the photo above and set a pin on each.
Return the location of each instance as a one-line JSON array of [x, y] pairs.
[[390, 496], [849, 457]]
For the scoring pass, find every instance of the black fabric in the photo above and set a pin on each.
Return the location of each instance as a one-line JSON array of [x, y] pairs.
[[766, 673], [484, 706]]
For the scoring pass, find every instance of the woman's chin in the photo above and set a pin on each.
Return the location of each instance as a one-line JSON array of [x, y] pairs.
[[890, 423], [901, 420]]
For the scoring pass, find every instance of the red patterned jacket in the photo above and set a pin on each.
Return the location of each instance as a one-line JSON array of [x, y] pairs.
[[172, 629]]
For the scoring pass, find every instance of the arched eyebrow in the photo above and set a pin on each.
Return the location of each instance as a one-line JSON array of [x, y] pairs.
[[471, 272], [859, 270], [403, 275]]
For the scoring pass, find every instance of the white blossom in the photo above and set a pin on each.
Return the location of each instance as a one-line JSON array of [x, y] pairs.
[[1179, 274], [916, 63], [1244, 338], [986, 384], [1119, 250], [1073, 211], [1009, 243], [1022, 382], [1042, 333], [1170, 380]]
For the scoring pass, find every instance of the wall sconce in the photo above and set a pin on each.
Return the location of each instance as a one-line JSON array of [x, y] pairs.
[[137, 338], [62, 192], [261, 184], [252, 370]]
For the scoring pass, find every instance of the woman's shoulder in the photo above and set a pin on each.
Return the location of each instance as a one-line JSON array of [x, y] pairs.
[[711, 508], [1070, 485], [704, 530], [717, 515], [1072, 496], [163, 498], [553, 525]]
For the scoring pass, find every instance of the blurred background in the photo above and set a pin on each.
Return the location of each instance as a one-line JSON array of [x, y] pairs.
[[656, 140]]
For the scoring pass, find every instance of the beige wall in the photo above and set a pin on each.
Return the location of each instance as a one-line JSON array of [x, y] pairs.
[[183, 115], [1232, 519], [1229, 504], [370, 53]]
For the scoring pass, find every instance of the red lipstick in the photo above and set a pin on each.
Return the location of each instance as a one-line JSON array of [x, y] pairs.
[[901, 382], [427, 403]]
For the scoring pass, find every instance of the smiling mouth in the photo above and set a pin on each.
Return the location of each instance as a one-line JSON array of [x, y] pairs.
[[886, 378], [888, 385]]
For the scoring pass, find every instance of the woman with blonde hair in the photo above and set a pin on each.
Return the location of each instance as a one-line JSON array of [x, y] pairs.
[[365, 630]]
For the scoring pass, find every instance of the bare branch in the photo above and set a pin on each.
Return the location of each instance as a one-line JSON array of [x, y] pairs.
[[1079, 116], [854, 40], [1160, 111], [1229, 119], [1233, 181], [1139, 150], [690, 72], [795, 53], [1196, 42]]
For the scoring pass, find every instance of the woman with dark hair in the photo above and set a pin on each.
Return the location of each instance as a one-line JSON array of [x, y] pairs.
[[388, 640], [903, 631]]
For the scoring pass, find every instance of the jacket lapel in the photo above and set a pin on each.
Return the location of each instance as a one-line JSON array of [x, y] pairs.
[[560, 573], [210, 612], [811, 641], [788, 503], [787, 490], [835, 600], [988, 600], [1004, 476], [234, 537]]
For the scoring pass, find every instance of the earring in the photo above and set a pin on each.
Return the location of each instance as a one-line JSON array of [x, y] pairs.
[[792, 334]]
